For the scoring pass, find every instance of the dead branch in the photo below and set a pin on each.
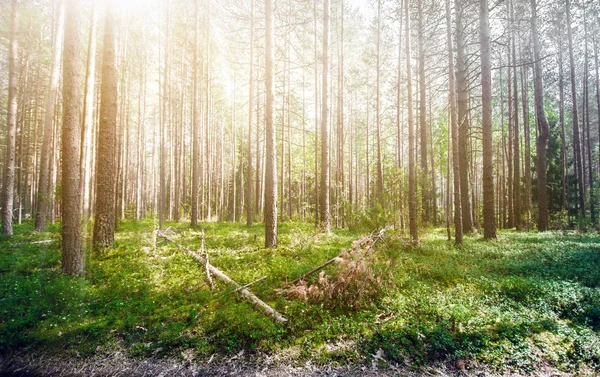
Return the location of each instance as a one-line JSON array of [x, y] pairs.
[[220, 275]]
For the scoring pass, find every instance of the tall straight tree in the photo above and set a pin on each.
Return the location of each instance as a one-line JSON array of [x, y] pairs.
[[249, 211], [423, 120], [106, 168], [72, 255], [542, 124], [575, 117], [195, 125], [88, 110], [270, 211], [412, 182], [325, 215], [489, 218], [462, 104], [44, 178], [379, 196], [458, 237], [11, 123]]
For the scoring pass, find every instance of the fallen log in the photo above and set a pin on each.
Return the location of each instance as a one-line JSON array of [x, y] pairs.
[[220, 275]]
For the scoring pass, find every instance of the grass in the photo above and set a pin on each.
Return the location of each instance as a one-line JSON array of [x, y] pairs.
[[524, 301]]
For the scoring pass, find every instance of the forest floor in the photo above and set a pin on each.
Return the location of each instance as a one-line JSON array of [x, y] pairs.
[[528, 304]]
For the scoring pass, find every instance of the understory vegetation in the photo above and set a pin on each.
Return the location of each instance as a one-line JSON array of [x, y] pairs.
[[527, 300]]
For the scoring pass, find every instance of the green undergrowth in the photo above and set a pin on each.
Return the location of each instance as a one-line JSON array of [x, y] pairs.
[[526, 300]]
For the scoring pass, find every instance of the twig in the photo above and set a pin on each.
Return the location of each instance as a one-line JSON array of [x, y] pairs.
[[245, 286]]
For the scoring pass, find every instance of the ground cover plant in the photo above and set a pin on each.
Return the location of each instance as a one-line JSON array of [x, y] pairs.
[[527, 300]]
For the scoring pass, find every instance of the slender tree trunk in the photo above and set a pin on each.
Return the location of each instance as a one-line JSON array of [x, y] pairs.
[[249, 212], [525, 100], [489, 218], [325, 216], [586, 103], [561, 117], [542, 125], [576, 140], [162, 211], [462, 103], [458, 237], [425, 189], [11, 122], [72, 255], [88, 110], [379, 196], [45, 160], [412, 182], [516, 140], [106, 169], [271, 159]]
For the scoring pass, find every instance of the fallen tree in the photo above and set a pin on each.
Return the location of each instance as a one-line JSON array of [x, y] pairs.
[[240, 289]]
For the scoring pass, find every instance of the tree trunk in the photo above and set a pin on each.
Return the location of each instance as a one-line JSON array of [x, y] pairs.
[[424, 179], [271, 159], [45, 160], [458, 237], [462, 103], [576, 141], [72, 255], [106, 168], [489, 219], [379, 195], [542, 125], [249, 212], [11, 122], [325, 216], [88, 110], [412, 182]]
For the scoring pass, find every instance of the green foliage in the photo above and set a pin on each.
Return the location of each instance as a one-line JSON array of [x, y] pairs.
[[526, 300]]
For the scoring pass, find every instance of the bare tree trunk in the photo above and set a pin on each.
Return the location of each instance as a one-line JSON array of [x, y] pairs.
[[195, 126], [561, 117], [412, 182], [249, 211], [271, 159], [576, 140], [542, 125], [462, 102], [424, 179], [72, 256], [9, 165], [45, 160], [379, 195], [489, 218], [325, 216], [88, 110], [525, 100], [162, 211], [106, 168], [458, 236], [516, 143]]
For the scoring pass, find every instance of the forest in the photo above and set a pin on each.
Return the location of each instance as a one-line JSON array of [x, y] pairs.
[[299, 187]]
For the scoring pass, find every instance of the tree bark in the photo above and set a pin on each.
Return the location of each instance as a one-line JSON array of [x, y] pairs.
[[325, 215], [270, 212], [462, 103], [412, 182], [542, 125], [576, 140], [489, 218], [458, 236], [11, 122], [106, 168], [72, 255]]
